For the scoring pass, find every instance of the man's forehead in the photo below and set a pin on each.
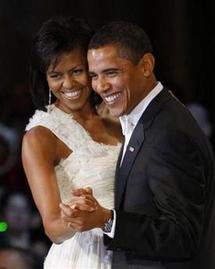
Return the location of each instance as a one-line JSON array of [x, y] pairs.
[[104, 51], [110, 52]]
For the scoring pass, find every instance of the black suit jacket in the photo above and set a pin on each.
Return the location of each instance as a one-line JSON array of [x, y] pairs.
[[164, 192]]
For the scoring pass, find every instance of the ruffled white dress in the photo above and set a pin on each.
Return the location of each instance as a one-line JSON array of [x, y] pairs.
[[90, 164]]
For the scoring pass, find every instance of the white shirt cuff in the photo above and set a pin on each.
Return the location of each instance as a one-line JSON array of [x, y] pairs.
[[112, 232]]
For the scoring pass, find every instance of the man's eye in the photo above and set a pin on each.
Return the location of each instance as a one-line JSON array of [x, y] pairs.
[[93, 76], [112, 73]]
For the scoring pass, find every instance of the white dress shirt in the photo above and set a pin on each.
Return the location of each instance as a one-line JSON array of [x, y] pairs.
[[128, 124]]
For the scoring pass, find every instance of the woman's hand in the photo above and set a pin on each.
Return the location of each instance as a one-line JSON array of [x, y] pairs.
[[84, 212]]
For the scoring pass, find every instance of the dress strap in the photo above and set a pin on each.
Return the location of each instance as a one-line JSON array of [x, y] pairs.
[[62, 125]]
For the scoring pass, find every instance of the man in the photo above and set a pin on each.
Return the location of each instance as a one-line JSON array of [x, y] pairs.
[[164, 188]]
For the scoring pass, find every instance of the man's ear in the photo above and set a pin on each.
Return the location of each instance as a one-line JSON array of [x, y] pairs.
[[147, 63]]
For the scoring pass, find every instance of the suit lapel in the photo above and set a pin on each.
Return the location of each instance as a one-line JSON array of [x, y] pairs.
[[119, 160], [129, 157], [135, 144]]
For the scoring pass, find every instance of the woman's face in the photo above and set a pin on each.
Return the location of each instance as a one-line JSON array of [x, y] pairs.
[[69, 81]]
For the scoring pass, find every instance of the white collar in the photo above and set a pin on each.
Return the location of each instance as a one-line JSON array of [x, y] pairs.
[[128, 122]]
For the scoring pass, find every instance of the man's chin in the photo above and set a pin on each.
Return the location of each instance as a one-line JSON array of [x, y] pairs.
[[116, 112]]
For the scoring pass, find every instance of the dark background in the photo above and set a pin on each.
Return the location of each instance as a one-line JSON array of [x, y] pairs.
[[182, 33]]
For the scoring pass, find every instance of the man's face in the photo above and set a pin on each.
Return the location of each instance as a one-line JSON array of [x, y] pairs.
[[119, 82]]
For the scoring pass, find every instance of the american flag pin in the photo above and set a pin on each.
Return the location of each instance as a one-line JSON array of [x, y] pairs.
[[131, 149]]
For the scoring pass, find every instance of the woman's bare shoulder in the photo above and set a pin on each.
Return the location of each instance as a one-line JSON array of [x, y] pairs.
[[39, 137]]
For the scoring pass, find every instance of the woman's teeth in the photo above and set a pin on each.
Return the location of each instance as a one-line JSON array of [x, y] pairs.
[[72, 94]]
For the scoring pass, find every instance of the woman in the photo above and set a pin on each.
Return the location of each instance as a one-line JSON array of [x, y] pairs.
[[67, 145]]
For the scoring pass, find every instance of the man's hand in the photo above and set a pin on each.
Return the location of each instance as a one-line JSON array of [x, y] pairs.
[[84, 212]]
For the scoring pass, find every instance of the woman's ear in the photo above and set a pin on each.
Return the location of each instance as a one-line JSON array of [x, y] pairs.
[[147, 63]]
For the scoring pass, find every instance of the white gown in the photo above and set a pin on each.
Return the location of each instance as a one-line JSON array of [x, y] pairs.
[[90, 164]]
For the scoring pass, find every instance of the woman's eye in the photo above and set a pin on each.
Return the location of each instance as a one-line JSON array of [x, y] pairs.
[[78, 71], [55, 76]]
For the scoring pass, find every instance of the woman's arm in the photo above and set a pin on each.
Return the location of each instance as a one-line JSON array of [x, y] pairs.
[[40, 152]]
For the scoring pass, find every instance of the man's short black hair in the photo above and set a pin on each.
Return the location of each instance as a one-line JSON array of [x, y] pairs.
[[130, 38]]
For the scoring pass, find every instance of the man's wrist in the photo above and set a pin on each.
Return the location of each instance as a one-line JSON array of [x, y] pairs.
[[108, 221]]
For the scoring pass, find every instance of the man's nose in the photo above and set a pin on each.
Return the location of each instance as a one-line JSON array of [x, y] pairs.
[[101, 85]]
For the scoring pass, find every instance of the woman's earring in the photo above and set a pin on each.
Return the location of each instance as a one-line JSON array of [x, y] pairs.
[[50, 99]]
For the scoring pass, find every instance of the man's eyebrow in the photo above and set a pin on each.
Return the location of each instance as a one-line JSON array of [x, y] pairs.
[[110, 69], [91, 72], [105, 70]]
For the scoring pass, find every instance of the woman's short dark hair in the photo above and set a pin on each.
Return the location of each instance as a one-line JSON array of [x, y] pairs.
[[56, 36]]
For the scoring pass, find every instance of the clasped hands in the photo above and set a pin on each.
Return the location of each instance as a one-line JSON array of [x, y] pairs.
[[83, 212]]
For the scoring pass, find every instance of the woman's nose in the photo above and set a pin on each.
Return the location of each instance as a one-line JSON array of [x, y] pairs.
[[68, 82]]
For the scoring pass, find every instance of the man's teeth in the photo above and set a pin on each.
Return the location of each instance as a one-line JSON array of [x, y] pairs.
[[112, 98]]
